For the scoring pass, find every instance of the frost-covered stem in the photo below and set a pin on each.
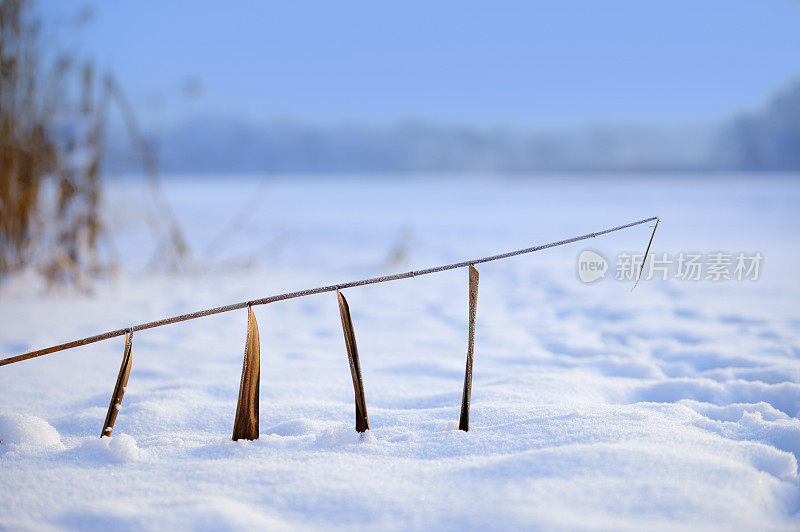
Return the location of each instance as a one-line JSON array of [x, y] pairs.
[[308, 292]]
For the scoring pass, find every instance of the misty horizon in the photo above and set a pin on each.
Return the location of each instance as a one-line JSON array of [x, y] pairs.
[[762, 138]]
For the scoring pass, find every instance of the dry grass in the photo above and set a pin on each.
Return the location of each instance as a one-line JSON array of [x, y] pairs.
[[46, 135], [26, 153]]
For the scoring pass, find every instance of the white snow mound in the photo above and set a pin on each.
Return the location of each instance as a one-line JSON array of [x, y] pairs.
[[121, 448], [23, 430]]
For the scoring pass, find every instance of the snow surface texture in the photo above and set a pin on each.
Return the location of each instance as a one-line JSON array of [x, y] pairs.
[[593, 407]]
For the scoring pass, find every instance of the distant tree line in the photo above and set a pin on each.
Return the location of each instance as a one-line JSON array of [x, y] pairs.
[[766, 139]]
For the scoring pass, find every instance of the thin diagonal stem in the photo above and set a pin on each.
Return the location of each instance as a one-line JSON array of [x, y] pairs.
[[310, 291]]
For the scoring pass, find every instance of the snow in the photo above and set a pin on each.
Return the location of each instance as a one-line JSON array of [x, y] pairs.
[[25, 432], [593, 407]]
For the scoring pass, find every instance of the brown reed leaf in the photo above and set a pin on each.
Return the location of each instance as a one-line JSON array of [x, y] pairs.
[[362, 421], [245, 426], [119, 387], [463, 422]]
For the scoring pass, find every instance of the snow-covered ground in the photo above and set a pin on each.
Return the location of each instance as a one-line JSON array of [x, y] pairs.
[[593, 407]]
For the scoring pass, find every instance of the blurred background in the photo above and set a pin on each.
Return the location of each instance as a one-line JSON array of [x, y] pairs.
[[451, 86], [92, 91]]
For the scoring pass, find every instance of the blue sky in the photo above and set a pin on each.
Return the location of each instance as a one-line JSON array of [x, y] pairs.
[[529, 64]]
